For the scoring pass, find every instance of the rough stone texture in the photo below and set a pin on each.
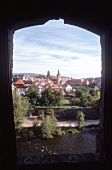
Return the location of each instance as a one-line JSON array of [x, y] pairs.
[[69, 113], [94, 16], [50, 159], [81, 161]]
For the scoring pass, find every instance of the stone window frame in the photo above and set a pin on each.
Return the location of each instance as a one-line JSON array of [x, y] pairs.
[[7, 142]]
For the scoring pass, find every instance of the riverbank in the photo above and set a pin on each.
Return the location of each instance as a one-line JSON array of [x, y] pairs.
[[68, 144], [84, 142], [28, 122]]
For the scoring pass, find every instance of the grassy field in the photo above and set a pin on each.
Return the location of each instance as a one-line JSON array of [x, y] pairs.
[[66, 104]]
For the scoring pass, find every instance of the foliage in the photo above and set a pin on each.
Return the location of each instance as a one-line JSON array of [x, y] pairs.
[[59, 132], [33, 132], [48, 125], [53, 124], [35, 122], [27, 133], [80, 118], [96, 104], [33, 95], [47, 98], [50, 98], [86, 100], [66, 102], [67, 130], [50, 111], [46, 128], [68, 95], [20, 106], [75, 101], [85, 97], [58, 99]]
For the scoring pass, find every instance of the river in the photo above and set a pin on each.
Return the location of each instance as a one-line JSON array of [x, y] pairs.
[[84, 142]]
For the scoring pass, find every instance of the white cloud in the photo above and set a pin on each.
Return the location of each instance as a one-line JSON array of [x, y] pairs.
[[68, 48]]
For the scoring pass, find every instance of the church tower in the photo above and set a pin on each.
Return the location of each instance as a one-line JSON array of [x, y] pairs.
[[58, 77]]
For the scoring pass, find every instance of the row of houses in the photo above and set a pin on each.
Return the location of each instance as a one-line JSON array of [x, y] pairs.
[[20, 86], [21, 83]]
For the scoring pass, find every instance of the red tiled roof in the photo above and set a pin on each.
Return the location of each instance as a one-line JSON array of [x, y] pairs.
[[54, 78], [13, 86], [64, 79], [52, 85], [74, 81], [89, 79], [29, 78], [43, 80], [19, 84]]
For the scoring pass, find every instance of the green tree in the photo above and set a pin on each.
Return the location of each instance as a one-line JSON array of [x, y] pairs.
[[84, 101], [47, 98], [87, 96], [79, 93], [58, 98], [20, 106], [93, 92], [53, 124], [49, 123], [80, 118], [75, 101], [34, 97], [51, 98]]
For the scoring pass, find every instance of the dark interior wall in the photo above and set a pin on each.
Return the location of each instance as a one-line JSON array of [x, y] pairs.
[[86, 14], [94, 16]]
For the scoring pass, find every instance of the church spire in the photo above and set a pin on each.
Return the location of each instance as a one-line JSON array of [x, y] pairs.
[[58, 77], [58, 72]]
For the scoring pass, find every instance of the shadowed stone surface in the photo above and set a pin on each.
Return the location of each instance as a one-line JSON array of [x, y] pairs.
[[52, 159]]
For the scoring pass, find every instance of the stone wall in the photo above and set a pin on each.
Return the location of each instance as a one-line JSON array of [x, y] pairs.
[[70, 113]]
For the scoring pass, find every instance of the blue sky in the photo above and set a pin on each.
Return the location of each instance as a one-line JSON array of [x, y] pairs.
[[74, 51]]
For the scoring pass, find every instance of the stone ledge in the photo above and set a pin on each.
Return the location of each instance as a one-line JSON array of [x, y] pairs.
[[57, 159]]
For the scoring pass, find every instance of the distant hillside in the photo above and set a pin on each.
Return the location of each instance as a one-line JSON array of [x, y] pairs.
[[28, 74]]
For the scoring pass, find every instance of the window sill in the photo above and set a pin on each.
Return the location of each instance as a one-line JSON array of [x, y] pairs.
[[68, 161]]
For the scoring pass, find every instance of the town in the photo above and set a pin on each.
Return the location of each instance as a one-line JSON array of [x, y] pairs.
[[47, 107], [20, 83], [60, 96]]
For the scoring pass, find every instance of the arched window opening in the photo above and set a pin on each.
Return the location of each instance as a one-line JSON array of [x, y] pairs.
[[64, 61]]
